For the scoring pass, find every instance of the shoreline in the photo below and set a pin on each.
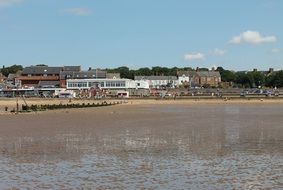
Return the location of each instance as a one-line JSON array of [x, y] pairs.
[[11, 103]]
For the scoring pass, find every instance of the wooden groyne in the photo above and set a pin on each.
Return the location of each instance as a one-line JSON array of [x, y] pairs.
[[44, 107]]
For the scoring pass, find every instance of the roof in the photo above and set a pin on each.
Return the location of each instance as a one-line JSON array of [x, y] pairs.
[[12, 76], [186, 73], [40, 70], [39, 78], [65, 74], [83, 74], [48, 83], [155, 78], [208, 73], [72, 68], [113, 75]]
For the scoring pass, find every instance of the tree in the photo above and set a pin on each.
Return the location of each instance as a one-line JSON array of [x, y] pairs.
[[42, 65], [143, 71], [242, 79], [12, 69], [203, 69], [259, 78], [226, 75], [157, 71], [276, 80]]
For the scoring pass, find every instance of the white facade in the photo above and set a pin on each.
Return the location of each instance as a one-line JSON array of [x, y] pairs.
[[81, 84], [159, 81], [183, 79]]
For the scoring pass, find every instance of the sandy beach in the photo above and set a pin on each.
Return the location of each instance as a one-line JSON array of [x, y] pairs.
[[11, 102]]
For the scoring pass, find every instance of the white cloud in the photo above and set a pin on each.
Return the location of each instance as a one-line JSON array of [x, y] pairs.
[[252, 37], [218, 52], [275, 50], [194, 56], [4, 3], [79, 11]]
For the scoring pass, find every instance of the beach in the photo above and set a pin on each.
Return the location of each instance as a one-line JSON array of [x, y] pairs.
[[145, 144], [11, 102]]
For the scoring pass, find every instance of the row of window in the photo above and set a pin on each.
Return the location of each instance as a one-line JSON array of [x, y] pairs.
[[115, 84], [97, 84]]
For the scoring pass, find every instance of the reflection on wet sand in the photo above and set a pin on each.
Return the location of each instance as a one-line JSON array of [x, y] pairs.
[[165, 147]]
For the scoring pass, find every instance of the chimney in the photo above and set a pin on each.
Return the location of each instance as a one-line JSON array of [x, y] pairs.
[[271, 70], [197, 69]]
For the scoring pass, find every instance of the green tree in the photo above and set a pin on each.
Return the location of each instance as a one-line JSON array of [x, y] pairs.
[[242, 79], [12, 69], [277, 79], [143, 72], [258, 78], [226, 75]]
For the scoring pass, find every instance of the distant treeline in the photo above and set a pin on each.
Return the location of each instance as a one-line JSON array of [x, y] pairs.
[[243, 79], [252, 79], [12, 69], [249, 79]]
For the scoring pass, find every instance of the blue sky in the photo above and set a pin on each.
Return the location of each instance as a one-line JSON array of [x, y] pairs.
[[238, 35]]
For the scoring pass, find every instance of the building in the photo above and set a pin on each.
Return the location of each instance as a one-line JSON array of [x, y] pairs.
[[208, 78], [79, 74], [40, 76], [113, 75], [10, 80], [199, 78], [116, 84], [108, 86], [159, 82], [31, 76], [2, 78], [186, 78], [68, 72]]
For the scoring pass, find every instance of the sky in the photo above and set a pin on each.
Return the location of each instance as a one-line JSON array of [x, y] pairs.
[[237, 35]]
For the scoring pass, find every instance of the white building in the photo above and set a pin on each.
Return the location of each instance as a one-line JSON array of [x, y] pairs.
[[158, 82], [109, 84], [183, 79]]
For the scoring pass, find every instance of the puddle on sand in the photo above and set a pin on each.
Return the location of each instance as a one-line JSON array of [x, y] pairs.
[[213, 147]]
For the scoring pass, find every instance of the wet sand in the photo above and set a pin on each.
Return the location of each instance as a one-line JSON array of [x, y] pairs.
[[152, 144]]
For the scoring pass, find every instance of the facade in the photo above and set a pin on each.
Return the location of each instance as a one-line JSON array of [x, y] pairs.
[[78, 74], [158, 82], [31, 76], [186, 78], [199, 78], [10, 80], [48, 77], [114, 84], [211, 78]]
